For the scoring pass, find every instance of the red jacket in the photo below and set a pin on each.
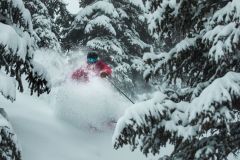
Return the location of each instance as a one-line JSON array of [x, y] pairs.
[[95, 69]]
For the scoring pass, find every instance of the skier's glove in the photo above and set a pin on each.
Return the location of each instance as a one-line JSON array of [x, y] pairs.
[[103, 74]]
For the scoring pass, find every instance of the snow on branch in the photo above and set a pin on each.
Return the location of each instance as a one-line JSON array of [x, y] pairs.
[[25, 14], [153, 123], [7, 87], [38, 79], [157, 17], [138, 3], [106, 45], [212, 43], [227, 13], [105, 7], [10, 149], [13, 42], [223, 39], [163, 58], [17, 50], [100, 21], [222, 31], [14, 46], [134, 40], [217, 101]]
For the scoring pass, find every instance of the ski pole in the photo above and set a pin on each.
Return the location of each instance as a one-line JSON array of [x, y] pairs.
[[120, 91]]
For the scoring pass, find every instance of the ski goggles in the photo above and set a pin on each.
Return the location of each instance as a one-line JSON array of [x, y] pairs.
[[92, 60]]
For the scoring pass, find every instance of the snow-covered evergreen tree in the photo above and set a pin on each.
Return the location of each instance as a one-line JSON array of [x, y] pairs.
[[16, 54], [115, 29], [42, 25], [200, 55], [63, 19], [9, 147], [60, 17]]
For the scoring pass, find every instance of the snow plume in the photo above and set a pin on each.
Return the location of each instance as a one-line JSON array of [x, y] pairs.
[[55, 64], [89, 105], [93, 104], [44, 137]]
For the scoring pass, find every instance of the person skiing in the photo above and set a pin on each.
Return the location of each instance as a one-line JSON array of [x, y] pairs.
[[93, 67]]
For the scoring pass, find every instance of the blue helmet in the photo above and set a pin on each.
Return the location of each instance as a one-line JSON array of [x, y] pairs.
[[92, 57]]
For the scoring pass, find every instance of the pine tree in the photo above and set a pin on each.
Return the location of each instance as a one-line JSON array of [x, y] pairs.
[[42, 25], [63, 20], [84, 3], [115, 29], [16, 62], [9, 147], [60, 17], [201, 52]]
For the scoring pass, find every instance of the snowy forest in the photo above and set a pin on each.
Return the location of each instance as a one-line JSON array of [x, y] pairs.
[[119, 79]]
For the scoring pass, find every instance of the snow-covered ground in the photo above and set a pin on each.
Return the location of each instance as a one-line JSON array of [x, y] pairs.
[[44, 136], [93, 105]]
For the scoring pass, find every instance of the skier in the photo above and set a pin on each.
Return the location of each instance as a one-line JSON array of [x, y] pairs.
[[93, 67]]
